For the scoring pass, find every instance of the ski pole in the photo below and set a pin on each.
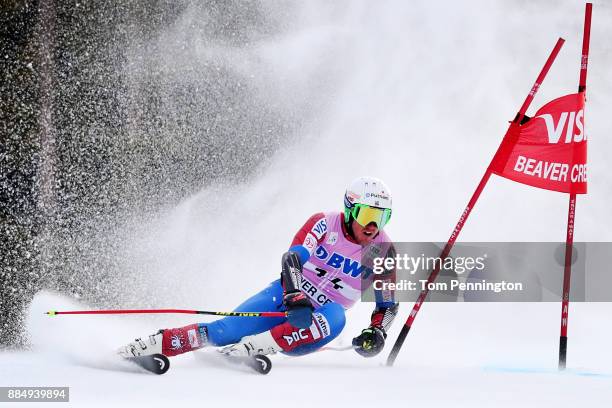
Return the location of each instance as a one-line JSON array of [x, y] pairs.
[[339, 348], [468, 209], [161, 311]]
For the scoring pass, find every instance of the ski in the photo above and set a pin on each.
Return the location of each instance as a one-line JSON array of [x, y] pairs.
[[258, 362], [159, 364], [154, 363]]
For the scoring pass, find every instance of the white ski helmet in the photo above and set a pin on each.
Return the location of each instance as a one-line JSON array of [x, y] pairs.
[[367, 199]]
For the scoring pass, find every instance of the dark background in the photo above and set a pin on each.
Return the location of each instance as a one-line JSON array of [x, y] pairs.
[[97, 125]]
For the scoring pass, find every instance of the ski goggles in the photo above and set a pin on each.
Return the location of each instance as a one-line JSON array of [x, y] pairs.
[[364, 214]]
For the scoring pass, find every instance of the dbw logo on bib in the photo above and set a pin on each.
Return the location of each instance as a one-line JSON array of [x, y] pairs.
[[338, 261]]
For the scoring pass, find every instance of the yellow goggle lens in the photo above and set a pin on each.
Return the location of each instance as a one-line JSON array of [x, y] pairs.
[[365, 215]]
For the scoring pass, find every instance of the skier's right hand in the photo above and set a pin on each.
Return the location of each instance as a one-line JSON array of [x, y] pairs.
[[299, 309], [370, 342]]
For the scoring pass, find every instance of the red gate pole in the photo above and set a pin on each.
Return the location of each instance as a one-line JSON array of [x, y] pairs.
[[468, 209], [571, 211]]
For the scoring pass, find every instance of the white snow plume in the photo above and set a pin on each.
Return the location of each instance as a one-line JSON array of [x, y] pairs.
[[82, 340], [416, 94]]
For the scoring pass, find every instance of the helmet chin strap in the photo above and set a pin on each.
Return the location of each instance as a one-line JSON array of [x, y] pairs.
[[350, 230]]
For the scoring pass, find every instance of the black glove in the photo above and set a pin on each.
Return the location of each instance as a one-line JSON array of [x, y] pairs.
[[291, 272], [299, 309], [370, 342]]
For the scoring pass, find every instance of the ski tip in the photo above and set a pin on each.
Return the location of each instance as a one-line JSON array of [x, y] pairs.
[[51, 313], [263, 365], [154, 363], [259, 363], [163, 364]]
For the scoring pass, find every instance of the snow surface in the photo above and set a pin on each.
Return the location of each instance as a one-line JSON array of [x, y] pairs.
[[419, 94], [462, 354]]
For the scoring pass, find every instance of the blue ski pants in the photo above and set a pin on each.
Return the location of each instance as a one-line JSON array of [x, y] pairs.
[[230, 330]]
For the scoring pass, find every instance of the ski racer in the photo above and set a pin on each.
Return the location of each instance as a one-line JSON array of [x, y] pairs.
[[321, 277]]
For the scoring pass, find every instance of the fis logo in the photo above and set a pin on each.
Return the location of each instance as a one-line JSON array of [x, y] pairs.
[[568, 121], [347, 265], [332, 238]]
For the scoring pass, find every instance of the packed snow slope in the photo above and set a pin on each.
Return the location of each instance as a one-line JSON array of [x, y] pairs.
[[462, 354], [418, 94]]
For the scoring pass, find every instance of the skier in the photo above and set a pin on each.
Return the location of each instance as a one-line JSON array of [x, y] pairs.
[[322, 274]]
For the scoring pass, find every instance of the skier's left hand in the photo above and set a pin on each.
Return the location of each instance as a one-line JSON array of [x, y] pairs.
[[370, 342]]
